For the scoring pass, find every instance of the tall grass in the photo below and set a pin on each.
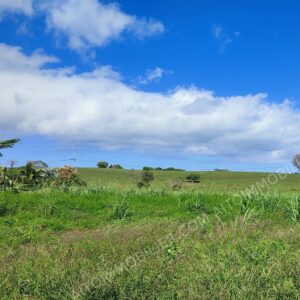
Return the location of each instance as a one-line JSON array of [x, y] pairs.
[[56, 244]]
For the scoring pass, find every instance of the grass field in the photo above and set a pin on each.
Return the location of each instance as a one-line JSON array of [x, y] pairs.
[[110, 240], [210, 181]]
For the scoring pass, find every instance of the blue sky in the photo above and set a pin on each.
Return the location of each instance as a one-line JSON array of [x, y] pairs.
[[192, 84]]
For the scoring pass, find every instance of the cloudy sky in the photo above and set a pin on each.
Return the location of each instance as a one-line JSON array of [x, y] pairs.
[[192, 84]]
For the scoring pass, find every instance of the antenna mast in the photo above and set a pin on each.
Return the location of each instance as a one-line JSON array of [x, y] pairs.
[[74, 154]]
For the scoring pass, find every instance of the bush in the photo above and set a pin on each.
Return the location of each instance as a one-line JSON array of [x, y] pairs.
[[3, 209], [145, 180], [147, 168], [116, 167], [121, 210], [173, 169], [198, 205], [195, 178], [32, 176], [176, 184], [68, 176], [102, 164]]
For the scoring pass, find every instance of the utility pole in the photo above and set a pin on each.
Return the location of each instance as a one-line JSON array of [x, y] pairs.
[[74, 154]]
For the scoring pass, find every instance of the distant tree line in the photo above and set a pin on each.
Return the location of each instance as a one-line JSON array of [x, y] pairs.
[[104, 165], [161, 169]]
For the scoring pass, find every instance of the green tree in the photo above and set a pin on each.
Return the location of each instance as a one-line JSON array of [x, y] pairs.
[[116, 167], [8, 144], [102, 164]]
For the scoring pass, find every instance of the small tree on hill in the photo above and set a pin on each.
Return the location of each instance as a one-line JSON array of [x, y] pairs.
[[193, 177], [102, 164], [296, 161], [147, 168], [116, 166]]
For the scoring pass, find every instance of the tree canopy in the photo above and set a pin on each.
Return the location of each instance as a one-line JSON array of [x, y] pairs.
[[8, 144]]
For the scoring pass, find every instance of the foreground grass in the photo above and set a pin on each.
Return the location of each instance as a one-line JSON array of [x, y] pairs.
[[80, 244]]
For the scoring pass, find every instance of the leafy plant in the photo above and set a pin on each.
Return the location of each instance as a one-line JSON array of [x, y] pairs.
[[117, 166], [145, 179], [176, 184], [198, 205], [68, 176], [32, 176], [121, 210], [3, 209], [8, 144], [8, 181], [102, 164], [193, 177]]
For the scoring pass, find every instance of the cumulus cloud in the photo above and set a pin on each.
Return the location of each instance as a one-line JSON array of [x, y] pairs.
[[91, 23], [98, 106], [16, 6]]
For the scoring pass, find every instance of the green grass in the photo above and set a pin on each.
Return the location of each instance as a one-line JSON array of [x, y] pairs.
[[210, 181], [111, 240]]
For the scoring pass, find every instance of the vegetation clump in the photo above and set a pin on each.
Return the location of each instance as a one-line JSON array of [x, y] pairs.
[[145, 179], [102, 164], [68, 176], [117, 166], [8, 144], [193, 177], [121, 210]]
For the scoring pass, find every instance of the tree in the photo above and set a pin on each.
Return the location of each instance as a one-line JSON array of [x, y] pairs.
[[8, 144], [102, 164], [193, 177], [296, 161], [116, 167], [147, 168], [39, 164]]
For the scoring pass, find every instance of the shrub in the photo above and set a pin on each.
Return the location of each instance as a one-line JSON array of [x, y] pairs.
[[145, 180], [195, 178], [173, 169], [147, 168], [68, 176], [31, 176], [198, 205], [176, 184], [102, 164], [3, 209], [116, 166], [121, 210]]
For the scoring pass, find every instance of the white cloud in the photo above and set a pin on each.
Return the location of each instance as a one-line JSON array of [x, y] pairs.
[[16, 6], [98, 106], [152, 75], [224, 37], [91, 23]]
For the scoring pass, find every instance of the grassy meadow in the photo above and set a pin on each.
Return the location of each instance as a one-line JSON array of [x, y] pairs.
[[111, 240]]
